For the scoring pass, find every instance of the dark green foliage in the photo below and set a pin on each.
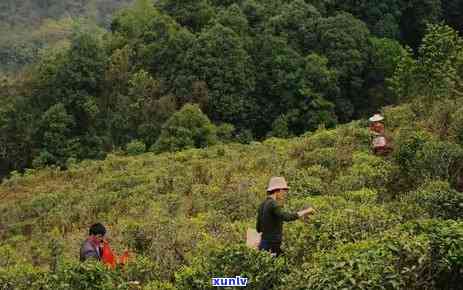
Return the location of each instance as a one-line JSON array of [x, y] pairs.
[[382, 17], [439, 160], [16, 125], [55, 127], [453, 14], [136, 147], [193, 14], [416, 15], [187, 128], [219, 58], [456, 126], [343, 39], [266, 67]]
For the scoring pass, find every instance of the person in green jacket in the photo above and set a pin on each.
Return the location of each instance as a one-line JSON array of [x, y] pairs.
[[270, 216]]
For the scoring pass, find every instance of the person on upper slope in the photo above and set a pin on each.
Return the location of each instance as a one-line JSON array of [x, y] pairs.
[[380, 144], [270, 216]]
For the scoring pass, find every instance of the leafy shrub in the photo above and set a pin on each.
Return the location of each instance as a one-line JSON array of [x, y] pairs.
[[187, 128], [364, 195], [141, 269], [447, 255], [280, 128], [456, 126], [446, 240], [396, 261], [408, 142], [326, 157], [336, 222], [441, 118], [399, 116], [261, 269], [22, 277], [136, 147], [367, 171], [439, 160], [439, 200], [304, 183], [157, 285], [225, 132], [88, 275]]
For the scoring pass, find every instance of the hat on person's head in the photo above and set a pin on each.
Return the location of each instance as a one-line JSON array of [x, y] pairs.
[[376, 118], [276, 183]]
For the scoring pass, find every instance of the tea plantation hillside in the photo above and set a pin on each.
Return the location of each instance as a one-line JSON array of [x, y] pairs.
[[382, 223]]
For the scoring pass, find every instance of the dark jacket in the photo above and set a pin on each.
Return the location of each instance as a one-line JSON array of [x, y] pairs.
[[89, 250], [270, 218]]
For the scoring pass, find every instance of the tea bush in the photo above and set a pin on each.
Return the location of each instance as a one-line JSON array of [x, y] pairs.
[[439, 160], [396, 261], [408, 142], [336, 223], [399, 117], [22, 277], [304, 182], [185, 214], [446, 240], [456, 126], [136, 147], [367, 171], [364, 195], [261, 269], [439, 200]]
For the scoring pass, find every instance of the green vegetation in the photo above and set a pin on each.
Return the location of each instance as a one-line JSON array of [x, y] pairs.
[[91, 78], [390, 223], [167, 127]]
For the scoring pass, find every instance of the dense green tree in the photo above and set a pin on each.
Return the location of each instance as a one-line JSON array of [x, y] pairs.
[[453, 13], [279, 73], [416, 15], [220, 59], [437, 71], [55, 138], [74, 79], [296, 21], [16, 128], [194, 14], [159, 45], [343, 39], [382, 17], [187, 128], [234, 18], [384, 57]]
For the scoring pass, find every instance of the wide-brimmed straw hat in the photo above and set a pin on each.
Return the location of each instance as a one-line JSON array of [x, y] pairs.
[[276, 183], [376, 118]]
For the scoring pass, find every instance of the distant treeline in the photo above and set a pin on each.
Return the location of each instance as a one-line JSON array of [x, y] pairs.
[[255, 68]]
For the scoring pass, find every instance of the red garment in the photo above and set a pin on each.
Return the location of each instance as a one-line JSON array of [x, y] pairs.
[[124, 258], [107, 256]]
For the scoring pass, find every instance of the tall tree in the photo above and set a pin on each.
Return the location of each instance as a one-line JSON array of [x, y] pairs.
[[220, 59]]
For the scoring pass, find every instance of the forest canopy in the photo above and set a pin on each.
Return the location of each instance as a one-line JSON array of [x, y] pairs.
[[82, 78]]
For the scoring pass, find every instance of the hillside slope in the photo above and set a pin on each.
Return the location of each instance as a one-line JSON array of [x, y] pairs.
[[391, 223]]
